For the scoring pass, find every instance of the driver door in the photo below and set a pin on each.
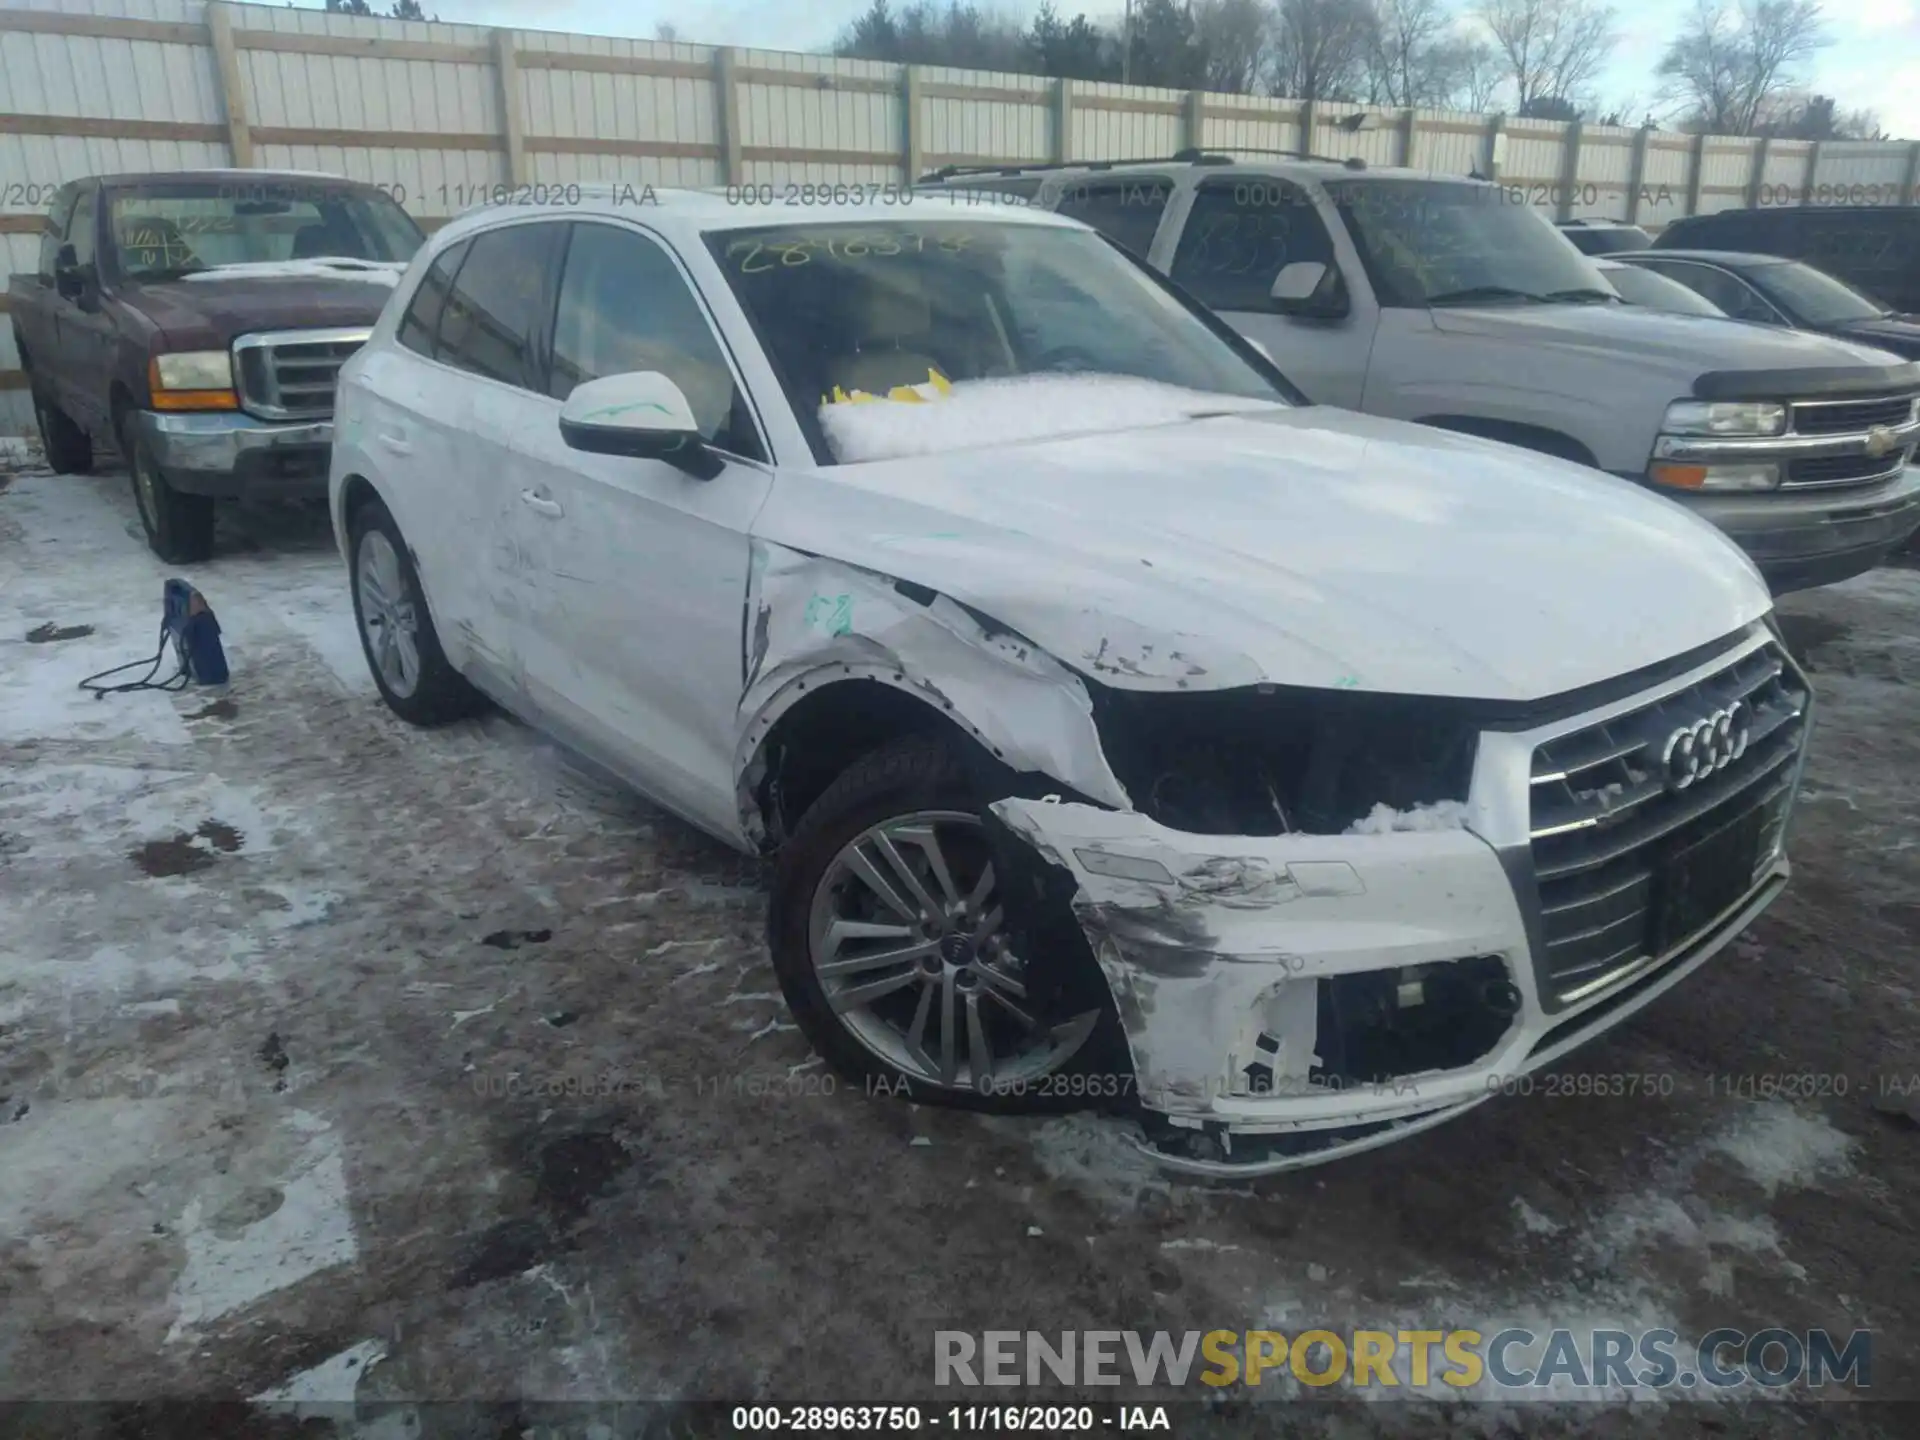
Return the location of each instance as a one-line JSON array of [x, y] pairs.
[[633, 599]]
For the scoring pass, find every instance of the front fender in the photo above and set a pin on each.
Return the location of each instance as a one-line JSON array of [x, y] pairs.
[[814, 622]]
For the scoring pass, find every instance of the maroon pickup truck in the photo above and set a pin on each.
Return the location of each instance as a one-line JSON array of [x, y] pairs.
[[196, 320]]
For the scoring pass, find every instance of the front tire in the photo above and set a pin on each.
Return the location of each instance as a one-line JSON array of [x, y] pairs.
[[889, 944], [179, 527], [69, 449], [396, 630]]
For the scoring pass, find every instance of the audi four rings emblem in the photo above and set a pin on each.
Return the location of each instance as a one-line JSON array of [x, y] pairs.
[[1695, 751]]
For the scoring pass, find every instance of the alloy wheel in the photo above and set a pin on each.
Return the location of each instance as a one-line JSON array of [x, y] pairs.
[[906, 936]]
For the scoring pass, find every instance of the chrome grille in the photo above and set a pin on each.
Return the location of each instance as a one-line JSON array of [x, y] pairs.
[[1843, 470], [1608, 829], [291, 374], [1849, 417]]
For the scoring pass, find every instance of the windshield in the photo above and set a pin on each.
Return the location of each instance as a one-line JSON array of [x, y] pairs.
[[849, 311], [180, 230], [1442, 242], [1810, 296], [1658, 292]]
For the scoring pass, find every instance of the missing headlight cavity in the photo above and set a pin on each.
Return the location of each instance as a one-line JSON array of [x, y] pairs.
[[1380, 1025], [1274, 759]]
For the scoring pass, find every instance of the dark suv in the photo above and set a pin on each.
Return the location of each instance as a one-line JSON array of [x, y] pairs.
[[1875, 248]]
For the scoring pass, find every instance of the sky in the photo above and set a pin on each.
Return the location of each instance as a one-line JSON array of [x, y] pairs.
[[1872, 63]]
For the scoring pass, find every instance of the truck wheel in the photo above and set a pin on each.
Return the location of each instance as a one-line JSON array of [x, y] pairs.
[[179, 527], [888, 941], [69, 448], [396, 628]]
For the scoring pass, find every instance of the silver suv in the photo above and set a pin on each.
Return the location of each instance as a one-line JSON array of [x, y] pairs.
[[1451, 302]]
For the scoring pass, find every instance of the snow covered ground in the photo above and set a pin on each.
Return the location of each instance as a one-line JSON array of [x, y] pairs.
[[344, 1061]]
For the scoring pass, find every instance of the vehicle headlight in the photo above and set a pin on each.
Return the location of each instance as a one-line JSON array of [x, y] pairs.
[[1720, 417], [192, 380]]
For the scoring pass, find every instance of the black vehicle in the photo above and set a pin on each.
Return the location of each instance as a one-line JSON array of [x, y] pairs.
[[1773, 291], [1604, 237], [1875, 248]]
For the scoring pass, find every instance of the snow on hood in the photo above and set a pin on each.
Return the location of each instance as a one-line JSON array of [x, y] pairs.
[[999, 412], [374, 272], [1305, 546]]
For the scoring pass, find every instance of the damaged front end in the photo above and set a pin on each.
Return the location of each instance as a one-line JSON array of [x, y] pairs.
[[1328, 917], [1333, 920]]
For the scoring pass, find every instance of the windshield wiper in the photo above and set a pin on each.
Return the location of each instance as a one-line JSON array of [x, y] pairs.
[[1475, 293], [1582, 293]]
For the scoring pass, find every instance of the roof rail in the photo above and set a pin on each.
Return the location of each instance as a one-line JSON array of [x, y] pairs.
[[1352, 162], [1022, 167], [1217, 156]]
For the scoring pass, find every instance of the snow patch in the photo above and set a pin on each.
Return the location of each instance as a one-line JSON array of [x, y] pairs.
[[1384, 819], [1532, 1221], [374, 272], [1098, 1157], [309, 1230], [1006, 412], [1778, 1145], [334, 1381]]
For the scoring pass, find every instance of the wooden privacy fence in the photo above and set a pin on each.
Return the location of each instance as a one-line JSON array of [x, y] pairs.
[[446, 116]]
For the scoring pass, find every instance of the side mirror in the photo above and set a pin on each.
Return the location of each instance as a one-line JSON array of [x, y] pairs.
[[1310, 290], [642, 415], [67, 279]]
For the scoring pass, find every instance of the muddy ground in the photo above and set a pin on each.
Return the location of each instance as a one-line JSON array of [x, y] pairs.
[[402, 1066]]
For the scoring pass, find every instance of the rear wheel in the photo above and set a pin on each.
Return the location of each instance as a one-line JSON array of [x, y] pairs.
[[69, 448], [396, 630], [891, 947], [179, 527]]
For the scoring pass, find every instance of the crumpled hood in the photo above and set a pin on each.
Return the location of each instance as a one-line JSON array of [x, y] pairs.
[[1632, 335], [1311, 547], [209, 313]]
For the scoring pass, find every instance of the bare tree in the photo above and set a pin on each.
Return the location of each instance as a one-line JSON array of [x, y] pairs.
[[1232, 36], [1733, 60], [1483, 71], [1419, 56], [666, 32], [1553, 48], [1320, 48]]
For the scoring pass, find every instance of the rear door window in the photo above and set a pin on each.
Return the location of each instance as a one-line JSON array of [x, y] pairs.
[[1124, 209], [1239, 235], [495, 314]]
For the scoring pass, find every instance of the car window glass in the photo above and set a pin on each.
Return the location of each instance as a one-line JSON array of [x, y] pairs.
[[1858, 247], [494, 312], [625, 307], [1639, 285], [1729, 292], [80, 233], [422, 320], [1126, 210], [54, 232], [1239, 235]]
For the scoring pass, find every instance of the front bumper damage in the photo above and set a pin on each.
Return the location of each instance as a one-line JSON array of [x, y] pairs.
[[1222, 953]]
